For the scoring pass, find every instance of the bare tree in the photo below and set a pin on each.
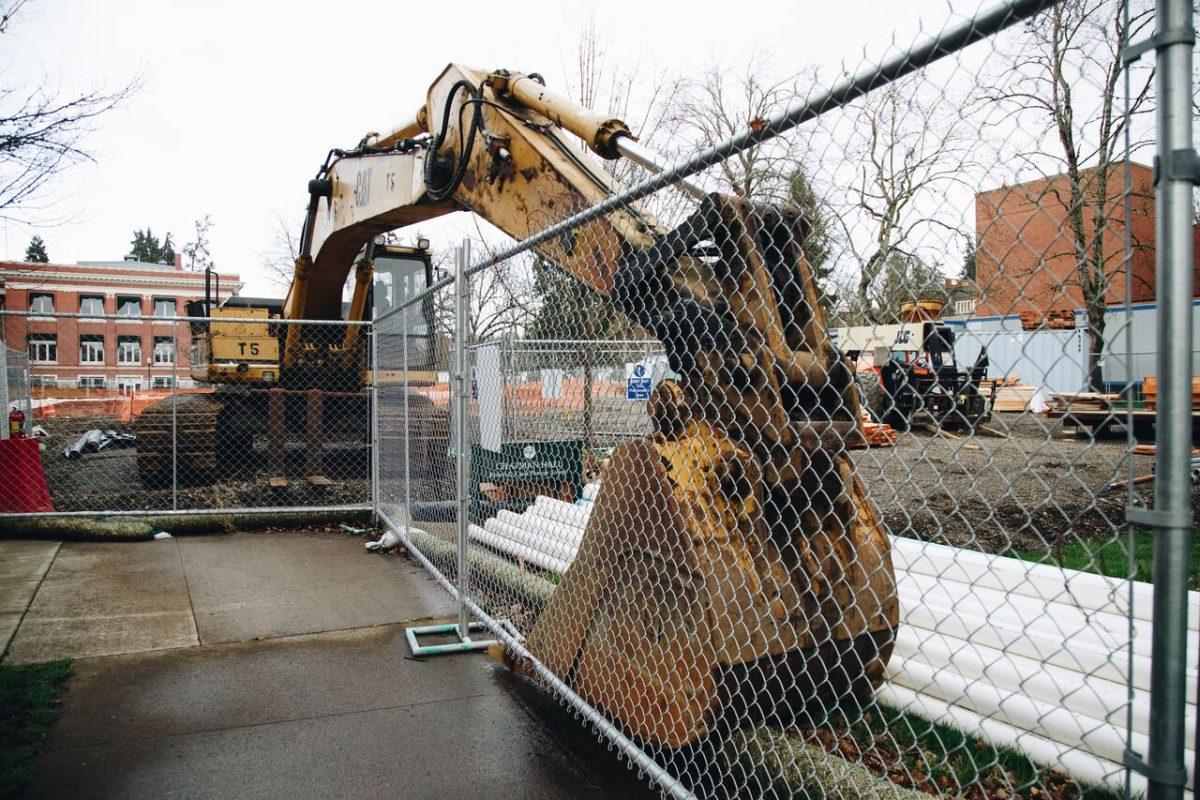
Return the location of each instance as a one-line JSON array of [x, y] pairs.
[[196, 251], [43, 132], [278, 260], [1066, 81], [717, 104], [910, 147]]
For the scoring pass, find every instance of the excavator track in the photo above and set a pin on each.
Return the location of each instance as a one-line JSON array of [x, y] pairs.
[[191, 421]]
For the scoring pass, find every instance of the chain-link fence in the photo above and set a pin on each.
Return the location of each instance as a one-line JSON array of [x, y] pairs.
[[820, 463], [139, 414]]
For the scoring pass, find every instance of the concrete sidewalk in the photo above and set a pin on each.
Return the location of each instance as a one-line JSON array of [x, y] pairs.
[[274, 665]]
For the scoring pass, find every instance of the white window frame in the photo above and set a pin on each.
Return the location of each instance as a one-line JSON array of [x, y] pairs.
[[126, 341], [127, 384], [122, 297], [162, 382], [43, 381], [965, 306], [174, 307], [93, 314], [164, 340], [79, 379], [36, 296], [89, 339], [53, 339]]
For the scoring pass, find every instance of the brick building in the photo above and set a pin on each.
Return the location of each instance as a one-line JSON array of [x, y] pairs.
[[112, 354], [1025, 257]]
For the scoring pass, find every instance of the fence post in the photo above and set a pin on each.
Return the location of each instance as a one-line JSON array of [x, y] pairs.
[[4, 386], [174, 412], [373, 343], [462, 452], [1171, 518]]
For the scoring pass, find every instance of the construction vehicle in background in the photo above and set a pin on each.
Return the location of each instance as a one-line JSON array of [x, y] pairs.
[[312, 396], [907, 373], [738, 526]]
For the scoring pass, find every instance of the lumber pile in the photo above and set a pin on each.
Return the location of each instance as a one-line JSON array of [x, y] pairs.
[[1054, 319], [1011, 397], [877, 434], [1150, 391], [1082, 401]]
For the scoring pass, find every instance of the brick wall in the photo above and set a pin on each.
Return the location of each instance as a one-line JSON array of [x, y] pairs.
[[1026, 252]]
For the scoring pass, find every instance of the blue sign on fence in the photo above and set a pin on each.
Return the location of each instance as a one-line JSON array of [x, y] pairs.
[[637, 387]]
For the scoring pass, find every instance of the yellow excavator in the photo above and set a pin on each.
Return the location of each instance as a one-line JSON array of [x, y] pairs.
[[733, 563]]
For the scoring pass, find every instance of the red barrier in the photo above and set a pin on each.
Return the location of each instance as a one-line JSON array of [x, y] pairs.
[[22, 481]]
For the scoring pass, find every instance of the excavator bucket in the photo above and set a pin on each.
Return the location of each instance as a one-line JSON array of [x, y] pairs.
[[733, 565]]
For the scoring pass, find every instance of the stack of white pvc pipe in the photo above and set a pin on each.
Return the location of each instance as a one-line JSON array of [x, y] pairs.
[[1027, 656]]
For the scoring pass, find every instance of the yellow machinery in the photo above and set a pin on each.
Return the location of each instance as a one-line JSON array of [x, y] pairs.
[[732, 547]]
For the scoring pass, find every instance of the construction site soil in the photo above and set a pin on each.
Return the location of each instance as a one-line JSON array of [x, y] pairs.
[[1034, 489]]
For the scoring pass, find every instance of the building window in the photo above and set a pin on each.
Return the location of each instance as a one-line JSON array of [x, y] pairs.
[[164, 307], [43, 348], [91, 349], [128, 384], [164, 350], [965, 306], [91, 381], [129, 350], [129, 306], [162, 382], [43, 381], [91, 305], [41, 304]]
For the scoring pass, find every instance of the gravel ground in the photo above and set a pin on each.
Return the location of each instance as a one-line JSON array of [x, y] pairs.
[[1035, 489], [108, 480]]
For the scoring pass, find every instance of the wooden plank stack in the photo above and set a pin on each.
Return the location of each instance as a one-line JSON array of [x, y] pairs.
[[1082, 401], [876, 434], [1011, 394], [1150, 391]]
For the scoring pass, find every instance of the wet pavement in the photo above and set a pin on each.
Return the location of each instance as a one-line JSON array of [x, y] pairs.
[[296, 682]]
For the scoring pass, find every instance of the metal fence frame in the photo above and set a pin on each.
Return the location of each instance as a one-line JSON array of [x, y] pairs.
[[182, 339], [1163, 764]]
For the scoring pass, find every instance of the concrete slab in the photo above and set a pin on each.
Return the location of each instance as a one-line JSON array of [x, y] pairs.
[[174, 692], [23, 564], [245, 586], [106, 598], [329, 715]]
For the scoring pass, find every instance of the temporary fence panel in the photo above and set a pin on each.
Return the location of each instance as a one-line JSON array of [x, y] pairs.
[[762, 558], [192, 414]]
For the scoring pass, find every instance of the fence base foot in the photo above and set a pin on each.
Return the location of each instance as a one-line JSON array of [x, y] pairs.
[[463, 645]]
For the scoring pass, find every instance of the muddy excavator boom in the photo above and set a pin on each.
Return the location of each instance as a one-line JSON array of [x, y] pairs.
[[733, 561]]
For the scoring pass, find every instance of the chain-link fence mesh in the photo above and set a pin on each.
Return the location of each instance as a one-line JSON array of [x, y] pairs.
[[190, 414], [813, 482]]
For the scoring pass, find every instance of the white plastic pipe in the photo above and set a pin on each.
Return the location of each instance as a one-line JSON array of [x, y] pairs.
[[1015, 576], [1042, 719], [1066, 622], [554, 531], [552, 548], [568, 513], [1082, 766], [1091, 696], [518, 550]]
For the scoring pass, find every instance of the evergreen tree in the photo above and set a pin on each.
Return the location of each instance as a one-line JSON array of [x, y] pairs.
[[819, 245], [147, 248], [36, 252]]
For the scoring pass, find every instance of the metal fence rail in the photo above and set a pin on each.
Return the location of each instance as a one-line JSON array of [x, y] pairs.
[[775, 525]]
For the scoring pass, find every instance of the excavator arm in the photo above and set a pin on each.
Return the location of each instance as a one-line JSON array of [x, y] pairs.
[[738, 528]]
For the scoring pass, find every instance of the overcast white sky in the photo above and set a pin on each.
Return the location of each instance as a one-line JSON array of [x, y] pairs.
[[242, 99]]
